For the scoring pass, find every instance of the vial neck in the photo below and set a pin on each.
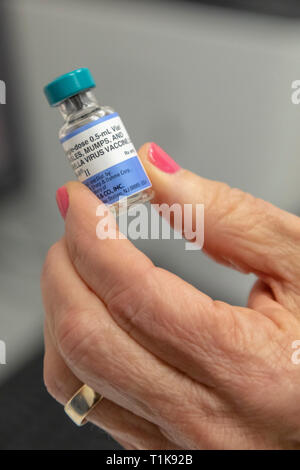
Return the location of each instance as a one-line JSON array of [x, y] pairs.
[[78, 106]]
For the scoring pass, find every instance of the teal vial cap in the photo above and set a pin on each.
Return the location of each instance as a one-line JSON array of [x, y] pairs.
[[68, 85]]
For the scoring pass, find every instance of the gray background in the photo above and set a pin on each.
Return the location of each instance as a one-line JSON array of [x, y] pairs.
[[211, 87]]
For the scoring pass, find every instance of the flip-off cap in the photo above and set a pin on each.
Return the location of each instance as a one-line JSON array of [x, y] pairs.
[[68, 85]]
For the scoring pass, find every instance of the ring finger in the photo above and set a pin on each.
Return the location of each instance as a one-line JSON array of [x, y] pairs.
[[120, 423]]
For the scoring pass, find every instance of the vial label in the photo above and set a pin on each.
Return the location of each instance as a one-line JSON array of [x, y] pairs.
[[104, 159]]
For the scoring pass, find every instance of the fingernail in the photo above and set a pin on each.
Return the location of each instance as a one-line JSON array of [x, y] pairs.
[[158, 157], [62, 200]]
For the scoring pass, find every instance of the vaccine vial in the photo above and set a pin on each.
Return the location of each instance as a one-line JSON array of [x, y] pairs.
[[97, 144]]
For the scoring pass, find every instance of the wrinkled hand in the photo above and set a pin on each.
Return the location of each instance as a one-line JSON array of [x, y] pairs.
[[177, 368]]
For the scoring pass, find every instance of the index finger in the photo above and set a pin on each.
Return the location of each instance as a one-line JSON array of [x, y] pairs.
[[108, 265]]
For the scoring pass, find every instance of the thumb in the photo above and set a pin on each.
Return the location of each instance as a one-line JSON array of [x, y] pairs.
[[241, 231]]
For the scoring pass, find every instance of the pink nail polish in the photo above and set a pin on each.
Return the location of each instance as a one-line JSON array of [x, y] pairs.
[[62, 200], [158, 157]]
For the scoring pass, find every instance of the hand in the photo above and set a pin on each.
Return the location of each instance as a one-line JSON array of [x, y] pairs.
[[177, 368]]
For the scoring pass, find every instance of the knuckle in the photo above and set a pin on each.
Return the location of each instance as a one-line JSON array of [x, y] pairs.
[[50, 380], [87, 345], [50, 262], [132, 305], [76, 336], [69, 334], [79, 246], [233, 202]]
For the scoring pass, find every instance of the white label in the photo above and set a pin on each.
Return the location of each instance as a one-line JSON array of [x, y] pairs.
[[104, 158]]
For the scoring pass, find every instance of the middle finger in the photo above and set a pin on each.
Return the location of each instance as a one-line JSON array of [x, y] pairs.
[[105, 357]]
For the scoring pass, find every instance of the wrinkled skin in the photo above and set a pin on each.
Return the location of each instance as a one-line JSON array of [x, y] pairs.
[[178, 370]]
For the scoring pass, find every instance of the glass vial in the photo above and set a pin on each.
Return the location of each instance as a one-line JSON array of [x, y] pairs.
[[97, 144]]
